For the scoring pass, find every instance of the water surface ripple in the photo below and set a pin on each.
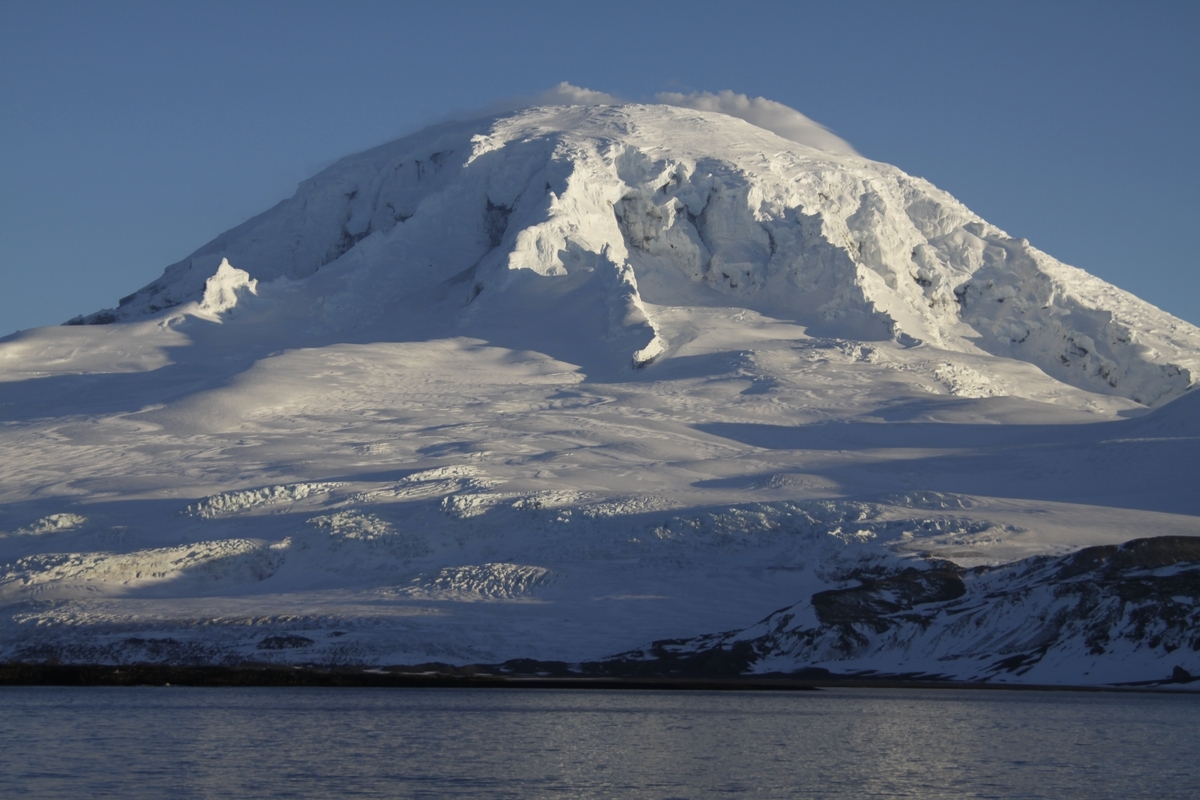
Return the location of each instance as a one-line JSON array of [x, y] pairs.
[[309, 742]]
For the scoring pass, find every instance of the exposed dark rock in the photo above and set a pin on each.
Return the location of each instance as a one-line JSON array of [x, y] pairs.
[[99, 318], [875, 600], [530, 666], [667, 658], [1160, 551], [1005, 620], [495, 222], [284, 642]]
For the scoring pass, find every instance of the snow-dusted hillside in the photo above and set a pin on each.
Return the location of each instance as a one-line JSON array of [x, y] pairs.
[[566, 382]]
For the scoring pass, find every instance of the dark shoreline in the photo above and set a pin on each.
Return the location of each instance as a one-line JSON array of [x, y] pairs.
[[479, 678]]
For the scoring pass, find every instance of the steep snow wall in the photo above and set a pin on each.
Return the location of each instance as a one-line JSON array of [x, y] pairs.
[[610, 194]]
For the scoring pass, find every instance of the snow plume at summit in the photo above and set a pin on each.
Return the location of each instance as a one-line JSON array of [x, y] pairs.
[[767, 114], [758, 111]]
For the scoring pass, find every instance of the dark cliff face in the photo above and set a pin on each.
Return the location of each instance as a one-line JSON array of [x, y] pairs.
[[878, 600], [1112, 560], [942, 621]]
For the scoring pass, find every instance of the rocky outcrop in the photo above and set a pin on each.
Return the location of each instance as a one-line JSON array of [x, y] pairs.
[[1032, 620]]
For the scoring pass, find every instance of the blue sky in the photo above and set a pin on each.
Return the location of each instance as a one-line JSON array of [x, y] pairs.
[[133, 132]]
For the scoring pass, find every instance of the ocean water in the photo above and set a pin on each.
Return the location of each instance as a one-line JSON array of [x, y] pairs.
[[151, 742]]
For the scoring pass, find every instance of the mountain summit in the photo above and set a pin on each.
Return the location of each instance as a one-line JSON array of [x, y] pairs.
[[632, 208], [611, 390]]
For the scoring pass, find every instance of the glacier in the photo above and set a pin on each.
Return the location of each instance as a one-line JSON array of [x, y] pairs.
[[629, 387]]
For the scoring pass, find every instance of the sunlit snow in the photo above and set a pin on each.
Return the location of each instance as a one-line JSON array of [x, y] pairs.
[[563, 382]]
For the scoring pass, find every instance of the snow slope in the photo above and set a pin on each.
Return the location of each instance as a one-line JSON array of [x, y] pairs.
[[838, 243], [575, 379]]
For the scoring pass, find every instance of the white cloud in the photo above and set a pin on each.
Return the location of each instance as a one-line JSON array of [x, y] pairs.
[[767, 114], [567, 95], [775, 117]]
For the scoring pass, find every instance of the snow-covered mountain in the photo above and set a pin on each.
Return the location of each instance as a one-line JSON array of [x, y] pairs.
[[607, 195], [566, 382]]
